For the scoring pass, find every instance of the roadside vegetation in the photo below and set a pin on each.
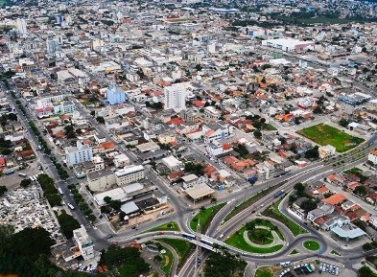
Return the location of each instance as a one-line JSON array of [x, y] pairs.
[[225, 265], [182, 247], [263, 272], [170, 226], [204, 218]]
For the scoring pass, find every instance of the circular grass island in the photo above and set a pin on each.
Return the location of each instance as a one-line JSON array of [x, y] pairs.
[[260, 236], [311, 245]]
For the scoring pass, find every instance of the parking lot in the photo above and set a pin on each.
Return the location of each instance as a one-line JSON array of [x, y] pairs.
[[13, 180], [323, 269]]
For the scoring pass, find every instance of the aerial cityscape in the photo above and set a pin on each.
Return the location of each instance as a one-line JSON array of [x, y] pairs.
[[188, 138]]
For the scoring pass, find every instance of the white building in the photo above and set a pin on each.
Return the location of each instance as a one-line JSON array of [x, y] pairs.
[[101, 180], [79, 154], [217, 131], [175, 96], [121, 160], [372, 157], [172, 163], [287, 44], [21, 27], [84, 243], [326, 151], [217, 149], [129, 175]]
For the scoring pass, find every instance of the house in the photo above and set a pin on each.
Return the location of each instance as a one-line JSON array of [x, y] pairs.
[[372, 157], [334, 199], [320, 211], [336, 221], [326, 151], [216, 148], [353, 185], [217, 131]]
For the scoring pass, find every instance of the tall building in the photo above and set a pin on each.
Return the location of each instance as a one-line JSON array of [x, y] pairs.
[[59, 19], [115, 96], [21, 27], [175, 97], [84, 243], [52, 46], [79, 154]]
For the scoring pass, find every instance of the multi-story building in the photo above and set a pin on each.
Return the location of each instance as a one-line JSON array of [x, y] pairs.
[[101, 180], [21, 27], [115, 96], [217, 131], [130, 174], [175, 97], [84, 243], [79, 154], [54, 105]]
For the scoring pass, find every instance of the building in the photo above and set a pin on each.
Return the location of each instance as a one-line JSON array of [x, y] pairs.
[[84, 243], [52, 46], [115, 96], [129, 175], [21, 27], [217, 131], [121, 160], [326, 151], [101, 180], [218, 149], [172, 163], [175, 97], [372, 157], [288, 44], [79, 154]]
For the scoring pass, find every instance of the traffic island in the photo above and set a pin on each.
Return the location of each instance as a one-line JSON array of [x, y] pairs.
[[311, 245]]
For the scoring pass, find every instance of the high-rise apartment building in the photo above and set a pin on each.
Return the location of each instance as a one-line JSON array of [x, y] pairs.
[[175, 97], [21, 27]]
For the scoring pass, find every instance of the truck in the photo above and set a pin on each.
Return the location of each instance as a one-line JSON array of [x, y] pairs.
[[278, 193]]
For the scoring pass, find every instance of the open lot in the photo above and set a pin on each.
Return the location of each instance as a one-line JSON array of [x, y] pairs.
[[325, 134], [12, 181]]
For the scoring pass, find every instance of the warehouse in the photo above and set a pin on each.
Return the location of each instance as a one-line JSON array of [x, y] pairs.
[[287, 44]]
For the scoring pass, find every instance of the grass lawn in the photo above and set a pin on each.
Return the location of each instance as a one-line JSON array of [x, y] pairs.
[[325, 134], [170, 226], [204, 217], [260, 236], [263, 272], [294, 251], [182, 247], [311, 245], [237, 240], [266, 223], [268, 127], [274, 212], [333, 252], [167, 262]]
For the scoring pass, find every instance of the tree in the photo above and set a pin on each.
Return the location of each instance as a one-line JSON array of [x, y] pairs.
[[93, 113], [317, 110], [6, 152], [343, 122], [360, 190], [107, 199], [115, 204], [69, 132], [100, 119], [25, 182], [3, 189], [67, 224], [365, 271], [257, 134], [308, 205], [312, 153], [213, 200], [300, 189]]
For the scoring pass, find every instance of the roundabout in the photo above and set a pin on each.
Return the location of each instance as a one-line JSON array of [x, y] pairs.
[[311, 245]]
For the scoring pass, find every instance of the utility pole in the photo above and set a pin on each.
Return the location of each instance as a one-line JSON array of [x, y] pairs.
[[197, 251]]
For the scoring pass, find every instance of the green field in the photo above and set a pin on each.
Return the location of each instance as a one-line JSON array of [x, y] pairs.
[[266, 223], [263, 272], [204, 217], [273, 212], [182, 247], [237, 240], [170, 226], [325, 134], [311, 245]]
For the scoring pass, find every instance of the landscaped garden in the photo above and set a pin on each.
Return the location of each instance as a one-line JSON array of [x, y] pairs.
[[311, 245], [170, 226], [182, 248], [325, 134]]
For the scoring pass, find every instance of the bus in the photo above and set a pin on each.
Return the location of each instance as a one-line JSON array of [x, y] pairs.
[[23, 175], [70, 206], [60, 191]]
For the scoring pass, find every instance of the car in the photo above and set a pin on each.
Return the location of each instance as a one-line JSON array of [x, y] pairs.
[[134, 227], [160, 233]]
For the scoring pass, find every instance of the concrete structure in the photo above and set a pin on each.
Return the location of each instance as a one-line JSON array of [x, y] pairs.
[[372, 157], [79, 154], [129, 175], [101, 180], [199, 191], [84, 243], [172, 163], [217, 131], [287, 44], [21, 27], [217, 149], [175, 97], [326, 151], [121, 160], [115, 96]]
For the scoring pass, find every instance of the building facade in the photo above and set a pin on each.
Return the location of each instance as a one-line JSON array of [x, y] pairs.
[[115, 96], [175, 97], [84, 243], [79, 154], [129, 175]]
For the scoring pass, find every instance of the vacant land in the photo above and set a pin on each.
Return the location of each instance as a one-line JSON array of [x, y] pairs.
[[325, 134]]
